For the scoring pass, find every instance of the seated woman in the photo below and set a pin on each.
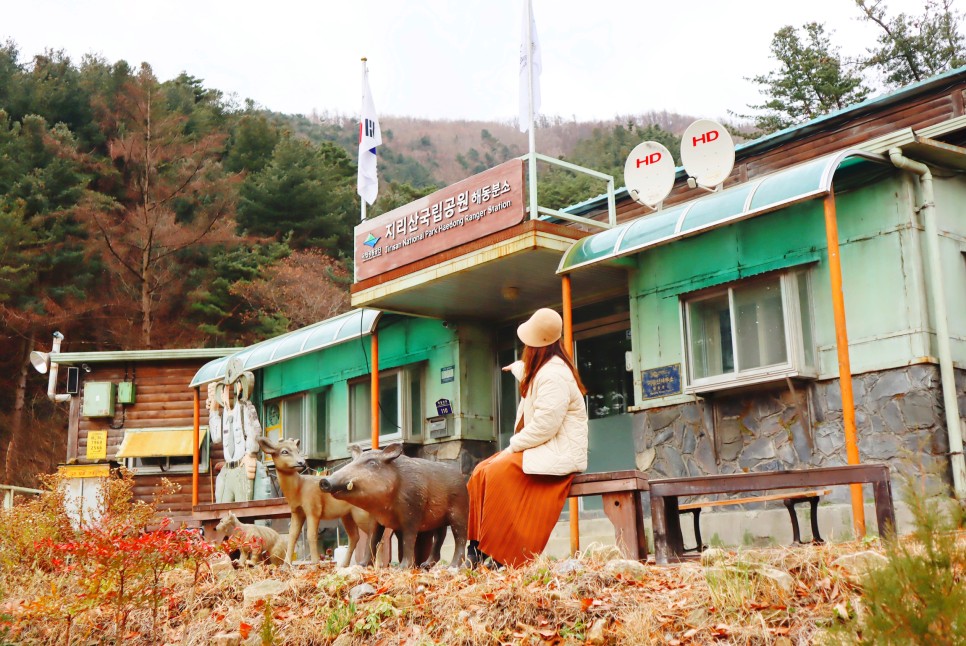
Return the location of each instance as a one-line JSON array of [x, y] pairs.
[[516, 495]]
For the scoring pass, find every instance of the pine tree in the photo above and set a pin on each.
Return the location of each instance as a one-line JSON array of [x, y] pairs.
[[811, 80]]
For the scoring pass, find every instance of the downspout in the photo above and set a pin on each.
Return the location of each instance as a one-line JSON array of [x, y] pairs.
[[54, 366], [946, 372]]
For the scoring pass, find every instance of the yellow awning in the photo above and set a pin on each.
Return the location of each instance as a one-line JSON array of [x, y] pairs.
[[158, 442]]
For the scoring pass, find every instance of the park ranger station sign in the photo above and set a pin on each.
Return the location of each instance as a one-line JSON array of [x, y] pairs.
[[468, 210]]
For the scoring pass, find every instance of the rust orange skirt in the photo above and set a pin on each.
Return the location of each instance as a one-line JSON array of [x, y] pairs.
[[512, 513]]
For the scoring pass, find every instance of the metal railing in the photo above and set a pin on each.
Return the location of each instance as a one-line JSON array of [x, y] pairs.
[[532, 158], [10, 490]]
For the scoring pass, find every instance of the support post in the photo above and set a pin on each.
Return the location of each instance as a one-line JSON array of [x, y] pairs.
[[568, 335], [374, 387], [845, 368], [195, 450]]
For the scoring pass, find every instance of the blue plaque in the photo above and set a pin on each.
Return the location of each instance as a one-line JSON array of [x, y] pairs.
[[443, 407], [658, 382]]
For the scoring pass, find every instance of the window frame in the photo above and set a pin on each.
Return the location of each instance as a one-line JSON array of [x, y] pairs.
[[795, 366], [181, 468], [405, 375], [309, 434]]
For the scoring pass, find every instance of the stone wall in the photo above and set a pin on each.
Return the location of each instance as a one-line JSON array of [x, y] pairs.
[[899, 420]]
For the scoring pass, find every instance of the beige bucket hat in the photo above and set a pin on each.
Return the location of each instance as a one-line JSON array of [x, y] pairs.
[[541, 329]]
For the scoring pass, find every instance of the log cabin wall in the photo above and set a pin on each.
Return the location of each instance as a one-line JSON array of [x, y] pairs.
[[162, 399]]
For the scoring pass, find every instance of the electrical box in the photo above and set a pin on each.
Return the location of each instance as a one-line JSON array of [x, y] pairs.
[[125, 392], [439, 427], [99, 398]]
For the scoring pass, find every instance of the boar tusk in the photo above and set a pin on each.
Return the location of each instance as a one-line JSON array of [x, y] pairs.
[[348, 487]]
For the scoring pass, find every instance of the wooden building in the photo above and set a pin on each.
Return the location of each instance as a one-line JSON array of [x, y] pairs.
[[133, 408]]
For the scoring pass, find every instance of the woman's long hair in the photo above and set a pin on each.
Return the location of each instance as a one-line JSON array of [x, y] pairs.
[[535, 358]]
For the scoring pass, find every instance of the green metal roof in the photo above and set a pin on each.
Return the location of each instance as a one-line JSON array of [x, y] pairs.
[[71, 358], [803, 182], [323, 334]]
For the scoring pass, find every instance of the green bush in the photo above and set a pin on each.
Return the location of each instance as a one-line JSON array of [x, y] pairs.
[[919, 595]]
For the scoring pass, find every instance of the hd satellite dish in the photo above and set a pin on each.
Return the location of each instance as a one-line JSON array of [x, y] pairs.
[[708, 154], [649, 173]]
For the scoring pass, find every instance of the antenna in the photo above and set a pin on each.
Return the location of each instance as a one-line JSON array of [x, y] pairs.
[[649, 174], [708, 154]]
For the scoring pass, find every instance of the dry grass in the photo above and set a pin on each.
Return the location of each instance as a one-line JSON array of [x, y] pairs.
[[727, 600]]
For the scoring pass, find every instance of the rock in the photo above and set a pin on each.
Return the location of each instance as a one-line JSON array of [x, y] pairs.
[[361, 590], [221, 566], [713, 556], [860, 562], [264, 589], [782, 579], [569, 566], [626, 569], [601, 552], [345, 639], [596, 633], [227, 639], [645, 459]]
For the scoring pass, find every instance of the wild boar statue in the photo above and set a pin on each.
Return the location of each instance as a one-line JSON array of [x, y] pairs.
[[416, 498]]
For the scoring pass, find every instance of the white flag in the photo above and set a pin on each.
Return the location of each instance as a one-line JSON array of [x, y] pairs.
[[529, 55], [369, 138]]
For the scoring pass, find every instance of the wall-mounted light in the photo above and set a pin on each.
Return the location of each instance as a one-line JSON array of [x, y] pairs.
[[510, 292]]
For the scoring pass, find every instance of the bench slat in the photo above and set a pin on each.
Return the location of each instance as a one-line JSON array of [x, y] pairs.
[[741, 501]]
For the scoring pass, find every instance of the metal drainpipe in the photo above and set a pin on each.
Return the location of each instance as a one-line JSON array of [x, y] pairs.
[[946, 372], [54, 368]]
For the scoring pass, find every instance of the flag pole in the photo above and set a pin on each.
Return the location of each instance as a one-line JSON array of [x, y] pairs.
[[532, 137], [362, 200]]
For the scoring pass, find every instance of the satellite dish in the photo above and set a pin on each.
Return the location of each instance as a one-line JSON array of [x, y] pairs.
[[40, 361], [708, 153], [649, 173]]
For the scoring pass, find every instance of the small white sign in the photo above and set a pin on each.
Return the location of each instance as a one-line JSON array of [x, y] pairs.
[[447, 374]]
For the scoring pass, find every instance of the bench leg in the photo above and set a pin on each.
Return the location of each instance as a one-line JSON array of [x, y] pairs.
[[665, 519], [813, 504], [884, 513], [696, 521], [624, 515], [790, 506], [796, 533]]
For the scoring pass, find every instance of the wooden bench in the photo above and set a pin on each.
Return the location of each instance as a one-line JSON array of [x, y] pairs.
[[207, 515], [621, 491], [666, 520], [790, 500]]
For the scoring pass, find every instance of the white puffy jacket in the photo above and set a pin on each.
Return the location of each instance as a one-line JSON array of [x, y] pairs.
[[554, 435]]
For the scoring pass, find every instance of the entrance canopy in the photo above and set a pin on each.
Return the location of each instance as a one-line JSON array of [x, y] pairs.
[[500, 277], [762, 195], [323, 334]]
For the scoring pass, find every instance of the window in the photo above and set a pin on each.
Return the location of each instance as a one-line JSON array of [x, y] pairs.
[[749, 333], [400, 406], [302, 416], [162, 450]]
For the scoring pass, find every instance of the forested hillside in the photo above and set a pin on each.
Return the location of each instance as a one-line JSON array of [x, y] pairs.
[[138, 212]]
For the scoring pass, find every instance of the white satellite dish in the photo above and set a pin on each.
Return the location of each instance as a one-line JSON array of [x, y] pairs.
[[649, 173], [708, 154]]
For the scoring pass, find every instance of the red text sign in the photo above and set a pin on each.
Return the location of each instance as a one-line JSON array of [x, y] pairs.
[[468, 210]]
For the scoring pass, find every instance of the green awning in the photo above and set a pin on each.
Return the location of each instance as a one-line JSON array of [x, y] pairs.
[[805, 181], [323, 334]]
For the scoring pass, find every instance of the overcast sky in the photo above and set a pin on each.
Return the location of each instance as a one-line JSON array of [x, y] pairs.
[[444, 59]]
